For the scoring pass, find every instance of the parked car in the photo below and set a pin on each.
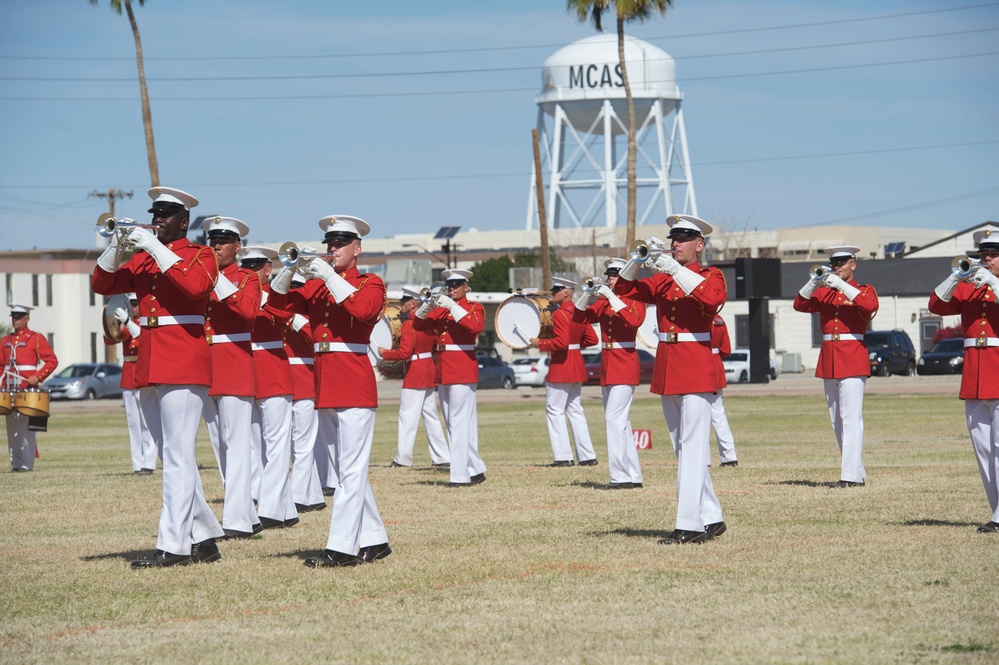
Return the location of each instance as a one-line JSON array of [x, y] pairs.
[[530, 371], [85, 381], [946, 357], [494, 373], [891, 352], [646, 362], [737, 367]]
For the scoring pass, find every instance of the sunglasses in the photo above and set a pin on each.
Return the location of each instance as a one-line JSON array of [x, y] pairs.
[[17, 315]]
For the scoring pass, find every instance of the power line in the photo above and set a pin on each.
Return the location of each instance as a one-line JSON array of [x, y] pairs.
[[508, 48], [910, 208]]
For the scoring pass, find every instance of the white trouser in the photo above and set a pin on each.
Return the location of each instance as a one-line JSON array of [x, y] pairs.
[[622, 454], [140, 441], [688, 418], [230, 416], [461, 416], [20, 442], [719, 421], [305, 486], [325, 461], [354, 519], [561, 400], [272, 415], [983, 424], [173, 414], [412, 403], [845, 398]]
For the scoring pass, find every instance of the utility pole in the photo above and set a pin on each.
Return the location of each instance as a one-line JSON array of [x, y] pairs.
[[546, 269], [110, 195]]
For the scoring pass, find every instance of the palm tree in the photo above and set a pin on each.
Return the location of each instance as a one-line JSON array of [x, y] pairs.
[[147, 118], [625, 11]]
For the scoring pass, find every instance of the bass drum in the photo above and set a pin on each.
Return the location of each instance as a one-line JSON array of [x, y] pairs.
[[524, 316], [387, 333], [648, 332], [6, 402], [32, 403]]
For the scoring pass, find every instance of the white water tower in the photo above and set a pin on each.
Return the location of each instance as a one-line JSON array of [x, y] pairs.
[[583, 128]]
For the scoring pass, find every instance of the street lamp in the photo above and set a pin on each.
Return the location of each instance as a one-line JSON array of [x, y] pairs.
[[427, 251]]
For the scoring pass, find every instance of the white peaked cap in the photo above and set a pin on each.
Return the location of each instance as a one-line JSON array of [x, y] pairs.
[[231, 224], [564, 283], [171, 195], [456, 274], [838, 251], [345, 224], [258, 252]]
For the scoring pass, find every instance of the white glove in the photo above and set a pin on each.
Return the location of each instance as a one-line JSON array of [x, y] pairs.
[[834, 281], [145, 239], [133, 328], [663, 263], [281, 281], [945, 290], [224, 288], [338, 286], [457, 311], [423, 311], [808, 289], [984, 277], [120, 315], [616, 303], [298, 321], [630, 270], [583, 299], [109, 257]]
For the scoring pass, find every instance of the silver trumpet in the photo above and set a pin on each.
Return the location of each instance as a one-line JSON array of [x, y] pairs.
[[436, 289], [590, 285], [643, 250], [108, 225], [964, 267], [818, 272], [291, 256]]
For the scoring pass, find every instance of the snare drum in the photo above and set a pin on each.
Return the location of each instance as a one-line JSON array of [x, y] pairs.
[[6, 402], [32, 403], [522, 317], [387, 333], [648, 332]]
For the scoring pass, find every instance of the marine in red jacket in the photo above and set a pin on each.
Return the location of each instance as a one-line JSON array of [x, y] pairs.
[[845, 309], [973, 296], [566, 374], [721, 347], [455, 322], [23, 349], [172, 279], [687, 296]]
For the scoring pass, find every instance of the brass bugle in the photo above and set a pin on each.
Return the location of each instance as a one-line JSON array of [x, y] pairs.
[[291, 256], [592, 283], [964, 267], [643, 250], [436, 289], [818, 272], [107, 225]]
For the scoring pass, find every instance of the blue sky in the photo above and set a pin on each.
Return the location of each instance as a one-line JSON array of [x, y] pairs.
[[318, 107]]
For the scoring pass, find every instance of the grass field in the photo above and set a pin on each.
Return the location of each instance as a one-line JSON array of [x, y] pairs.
[[537, 565]]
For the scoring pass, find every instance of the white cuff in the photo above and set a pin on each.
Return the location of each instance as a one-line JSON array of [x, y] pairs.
[[457, 311], [616, 303], [224, 288], [808, 289], [687, 279], [282, 280], [945, 290], [339, 287], [133, 328], [298, 322], [107, 260], [630, 270], [424, 310], [164, 257], [850, 291]]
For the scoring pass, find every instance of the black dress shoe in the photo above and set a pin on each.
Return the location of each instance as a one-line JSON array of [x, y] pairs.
[[637, 486], [681, 537], [459, 484], [268, 523], [161, 559], [374, 552], [311, 507], [205, 552], [290, 523], [396, 464], [840, 484], [328, 491], [619, 486], [734, 462], [588, 462], [714, 530], [257, 528], [441, 465], [478, 479], [234, 534], [332, 559], [562, 462], [990, 527]]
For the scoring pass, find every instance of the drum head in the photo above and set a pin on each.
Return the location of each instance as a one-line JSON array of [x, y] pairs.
[[648, 332], [112, 329], [381, 337], [517, 321]]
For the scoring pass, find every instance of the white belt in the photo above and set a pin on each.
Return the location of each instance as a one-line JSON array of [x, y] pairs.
[[716, 352], [222, 339], [340, 347], [839, 337], [301, 361], [26, 368], [131, 359], [457, 347], [617, 345], [421, 356], [266, 346], [980, 342], [573, 347], [672, 337], [157, 321]]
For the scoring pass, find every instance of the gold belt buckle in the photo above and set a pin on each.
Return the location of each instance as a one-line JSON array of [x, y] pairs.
[[981, 343], [835, 337], [671, 338], [152, 321], [324, 347], [209, 339], [608, 345]]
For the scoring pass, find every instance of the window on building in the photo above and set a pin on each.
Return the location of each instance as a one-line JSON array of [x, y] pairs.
[[34, 290], [48, 290], [51, 338], [742, 331], [93, 297], [93, 347], [816, 331], [9, 283]]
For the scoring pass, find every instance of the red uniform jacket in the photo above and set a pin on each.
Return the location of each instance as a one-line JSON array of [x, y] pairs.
[[720, 341], [129, 352], [843, 358], [298, 346], [232, 362], [454, 367], [681, 367], [617, 366], [169, 354], [420, 373], [565, 365], [270, 360], [26, 358], [343, 379], [979, 312]]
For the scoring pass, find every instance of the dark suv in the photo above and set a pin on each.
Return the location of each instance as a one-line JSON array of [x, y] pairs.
[[891, 352]]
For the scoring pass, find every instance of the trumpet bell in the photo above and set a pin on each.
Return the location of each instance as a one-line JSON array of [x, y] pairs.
[[591, 284], [964, 266], [818, 272], [289, 255]]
